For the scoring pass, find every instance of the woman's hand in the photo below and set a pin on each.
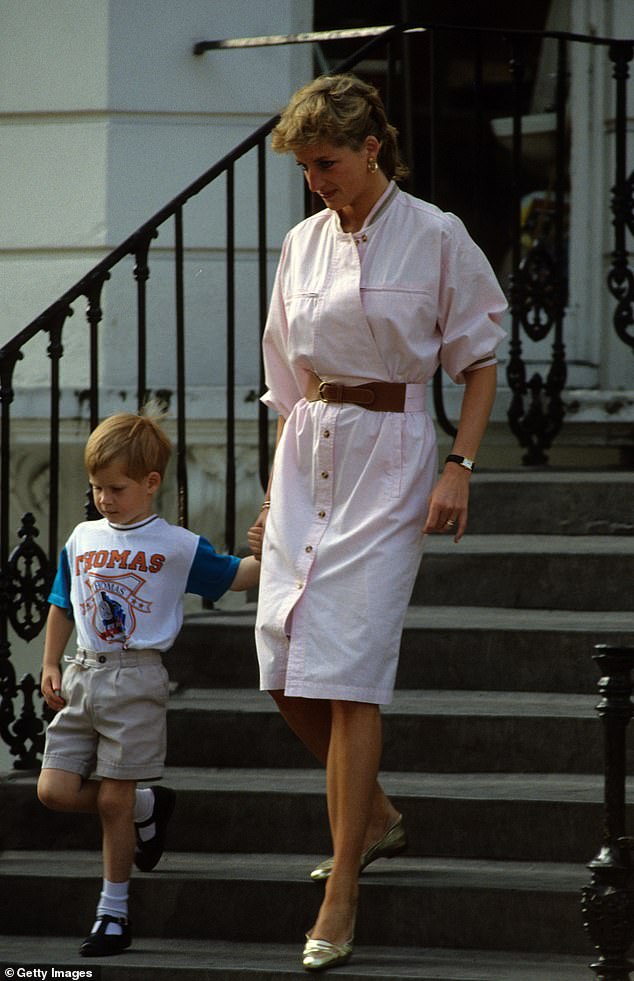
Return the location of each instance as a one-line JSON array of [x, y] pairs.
[[255, 534], [448, 503]]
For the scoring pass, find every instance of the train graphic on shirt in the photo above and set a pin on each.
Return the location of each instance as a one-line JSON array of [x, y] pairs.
[[112, 604]]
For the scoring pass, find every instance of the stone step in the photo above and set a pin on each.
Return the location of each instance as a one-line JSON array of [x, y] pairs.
[[516, 906], [160, 959], [524, 817], [423, 731], [552, 503], [457, 647], [546, 572]]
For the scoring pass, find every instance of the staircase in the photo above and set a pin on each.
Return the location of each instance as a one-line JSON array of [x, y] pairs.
[[493, 751]]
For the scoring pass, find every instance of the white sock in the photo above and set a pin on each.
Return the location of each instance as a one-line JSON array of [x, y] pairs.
[[143, 808], [113, 901]]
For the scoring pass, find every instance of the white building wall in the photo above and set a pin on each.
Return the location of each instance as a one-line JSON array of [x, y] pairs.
[[105, 115]]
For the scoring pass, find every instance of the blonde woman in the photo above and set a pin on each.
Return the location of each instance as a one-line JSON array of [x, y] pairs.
[[371, 294]]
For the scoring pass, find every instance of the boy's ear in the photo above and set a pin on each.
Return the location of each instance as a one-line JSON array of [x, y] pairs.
[[153, 481]]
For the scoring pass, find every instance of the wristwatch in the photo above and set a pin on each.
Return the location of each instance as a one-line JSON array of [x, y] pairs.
[[463, 461]]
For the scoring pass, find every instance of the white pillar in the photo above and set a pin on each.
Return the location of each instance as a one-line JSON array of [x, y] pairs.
[[591, 338]]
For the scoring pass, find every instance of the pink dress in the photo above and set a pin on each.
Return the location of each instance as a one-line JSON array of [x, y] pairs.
[[350, 487]]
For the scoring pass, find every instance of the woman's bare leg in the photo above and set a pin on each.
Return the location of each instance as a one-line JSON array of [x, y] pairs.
[[311, 721], [353, 763]]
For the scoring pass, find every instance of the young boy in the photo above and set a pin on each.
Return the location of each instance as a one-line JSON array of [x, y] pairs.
[[120, 583]]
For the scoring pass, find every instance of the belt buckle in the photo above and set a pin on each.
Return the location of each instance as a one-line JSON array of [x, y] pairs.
[[320, 391]]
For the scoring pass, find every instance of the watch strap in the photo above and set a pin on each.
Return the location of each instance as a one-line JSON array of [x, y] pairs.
[[463, 461]]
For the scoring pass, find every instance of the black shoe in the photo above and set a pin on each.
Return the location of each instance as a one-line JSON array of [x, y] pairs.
[[147, 853], [102, 944]]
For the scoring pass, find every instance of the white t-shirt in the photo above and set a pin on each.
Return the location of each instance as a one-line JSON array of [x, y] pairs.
[[124, 584]]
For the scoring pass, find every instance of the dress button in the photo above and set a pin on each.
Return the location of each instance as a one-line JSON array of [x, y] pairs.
[[324, 474], [326, 434], [300, 585], [309, 548], [102, 659], [322, 514]]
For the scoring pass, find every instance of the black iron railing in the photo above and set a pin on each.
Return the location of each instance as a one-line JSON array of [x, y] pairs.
[[537, 292], [607, 903]]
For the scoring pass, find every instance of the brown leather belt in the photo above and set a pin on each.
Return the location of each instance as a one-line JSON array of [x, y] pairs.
[[377, 396]]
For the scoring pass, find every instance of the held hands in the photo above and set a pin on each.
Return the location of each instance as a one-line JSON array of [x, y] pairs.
[[448, 503], [51, 687], [255, 534]]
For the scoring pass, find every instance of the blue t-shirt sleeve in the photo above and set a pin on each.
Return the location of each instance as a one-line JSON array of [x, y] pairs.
[[60, 590], [211, 574]]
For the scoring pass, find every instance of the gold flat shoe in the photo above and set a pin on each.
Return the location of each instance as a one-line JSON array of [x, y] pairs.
[[393, 842], [319, 955]]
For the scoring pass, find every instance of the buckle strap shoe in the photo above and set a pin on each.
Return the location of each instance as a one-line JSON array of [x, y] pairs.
[[319, 955], [393, 842], [147, 853], [102, 944]]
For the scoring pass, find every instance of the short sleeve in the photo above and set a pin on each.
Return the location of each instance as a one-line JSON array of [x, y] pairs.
[[211, 574], [471, 304], [282, 389], [60, 590]]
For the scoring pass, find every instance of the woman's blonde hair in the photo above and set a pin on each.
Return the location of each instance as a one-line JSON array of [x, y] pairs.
[[340, 110], [137, 442]]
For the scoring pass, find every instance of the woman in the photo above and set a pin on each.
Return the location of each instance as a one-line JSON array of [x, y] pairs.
[[371, 294]]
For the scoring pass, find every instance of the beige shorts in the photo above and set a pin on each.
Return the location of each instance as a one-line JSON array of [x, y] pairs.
[[114, 721]]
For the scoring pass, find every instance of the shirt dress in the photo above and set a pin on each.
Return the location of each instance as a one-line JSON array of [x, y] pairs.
[[350, 487]]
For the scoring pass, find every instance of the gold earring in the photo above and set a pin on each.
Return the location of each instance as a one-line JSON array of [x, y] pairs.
[[372, 165]]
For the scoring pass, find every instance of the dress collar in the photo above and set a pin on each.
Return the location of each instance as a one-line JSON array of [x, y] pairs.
[[377, 210], [382, 204]]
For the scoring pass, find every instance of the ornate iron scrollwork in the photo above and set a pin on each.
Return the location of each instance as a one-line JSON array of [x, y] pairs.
[[30, 576], [620, 279], [537, 304], [24, 735], [539, 286], [607, 904], [537, 296], [23, 593]]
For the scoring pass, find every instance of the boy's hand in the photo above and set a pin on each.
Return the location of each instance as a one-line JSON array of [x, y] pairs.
[[255, 535], [51, 688]]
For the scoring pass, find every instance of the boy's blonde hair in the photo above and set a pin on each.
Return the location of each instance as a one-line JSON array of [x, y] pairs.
[[137, 442], [341, 110]]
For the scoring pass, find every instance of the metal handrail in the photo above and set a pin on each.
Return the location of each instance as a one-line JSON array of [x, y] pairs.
[[306, 37], [311, 37]]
